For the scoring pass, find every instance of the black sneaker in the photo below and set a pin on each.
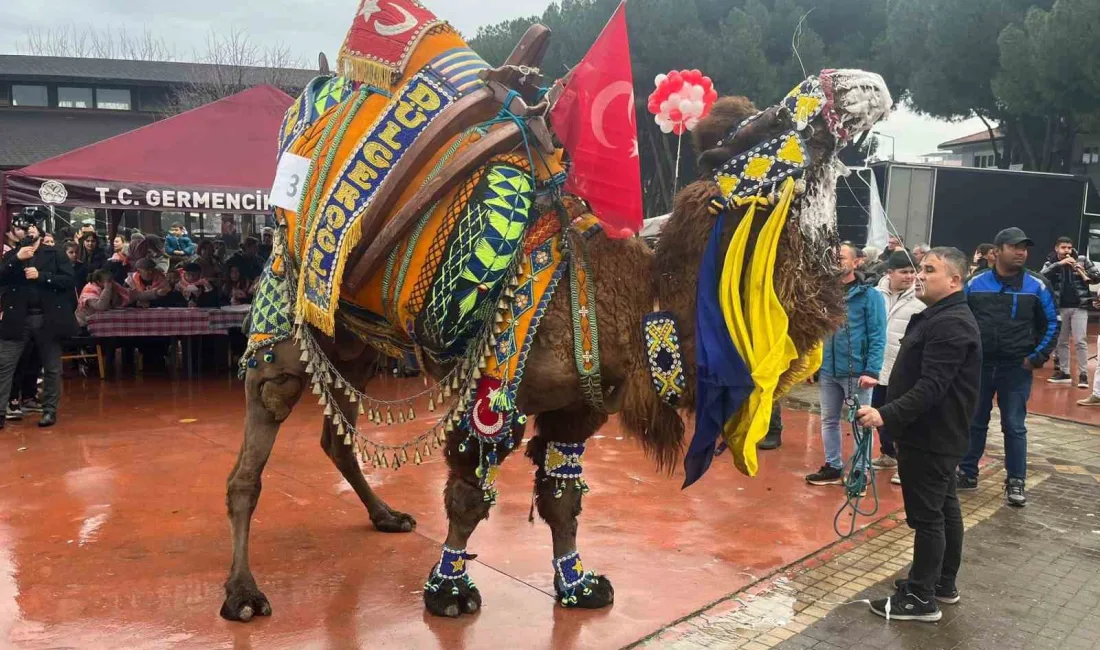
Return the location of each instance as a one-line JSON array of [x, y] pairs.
[[944, 593], [906, 606], [1060, 377], [1014, 492], [13, 412], [827, 475], [1083, 381], [774, 440], [965, 483]]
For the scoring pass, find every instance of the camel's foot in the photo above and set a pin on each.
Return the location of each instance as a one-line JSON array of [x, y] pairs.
[[449, 590], [242, 602], [595, 593], [578, 588], [451, 597], [392, 521]]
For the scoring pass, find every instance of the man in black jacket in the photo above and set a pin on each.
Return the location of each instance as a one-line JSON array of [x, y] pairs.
[[37, 282], [1070, 275], [932, 393]]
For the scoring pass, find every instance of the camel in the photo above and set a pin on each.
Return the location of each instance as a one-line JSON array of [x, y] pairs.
[[630, 280]]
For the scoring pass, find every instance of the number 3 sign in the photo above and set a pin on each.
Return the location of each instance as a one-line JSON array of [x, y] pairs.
[[290, 178]]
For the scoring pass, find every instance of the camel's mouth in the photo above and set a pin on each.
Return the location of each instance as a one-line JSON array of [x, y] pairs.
[[860, 100]]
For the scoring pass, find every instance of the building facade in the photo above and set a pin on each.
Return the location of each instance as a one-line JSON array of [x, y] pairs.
[[52, 105]]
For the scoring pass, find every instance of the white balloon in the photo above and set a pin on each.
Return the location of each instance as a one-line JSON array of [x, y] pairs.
[[660, 118], [675, 99], [692, 123], [666, 106], [659, 79], [666, 127], [697, 93], [698, 106], [687, 107]]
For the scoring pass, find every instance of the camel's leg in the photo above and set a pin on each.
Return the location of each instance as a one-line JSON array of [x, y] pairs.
[[450, 591], [557, 452], [271, 390], [382, 516]]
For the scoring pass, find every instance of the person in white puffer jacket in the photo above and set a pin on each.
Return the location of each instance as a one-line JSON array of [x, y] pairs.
[[897, 288]]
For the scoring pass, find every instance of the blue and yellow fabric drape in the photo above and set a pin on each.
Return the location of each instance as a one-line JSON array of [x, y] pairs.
[[743, 345]]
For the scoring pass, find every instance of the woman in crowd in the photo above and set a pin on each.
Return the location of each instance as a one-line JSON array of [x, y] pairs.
[[48, 239], [121, 247], [80, 268], [238, 287], [90, 253]]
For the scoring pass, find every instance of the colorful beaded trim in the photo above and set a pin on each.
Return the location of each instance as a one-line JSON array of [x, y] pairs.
[[571, 580], [450, 569], [768, 163], [563, 463], [666, 368]]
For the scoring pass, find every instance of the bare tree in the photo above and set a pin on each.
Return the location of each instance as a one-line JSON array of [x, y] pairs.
[[234, 62], [87, 42]]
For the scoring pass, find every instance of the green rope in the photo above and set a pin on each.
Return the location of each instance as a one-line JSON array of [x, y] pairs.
[[858, 472]]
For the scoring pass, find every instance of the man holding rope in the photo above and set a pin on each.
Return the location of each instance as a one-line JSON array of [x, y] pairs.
[[932, 393]]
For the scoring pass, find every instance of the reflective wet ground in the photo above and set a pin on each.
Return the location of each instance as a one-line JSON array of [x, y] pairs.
[[113, 533]]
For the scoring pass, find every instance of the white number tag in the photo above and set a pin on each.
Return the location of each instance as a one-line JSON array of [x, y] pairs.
[[290, 180]]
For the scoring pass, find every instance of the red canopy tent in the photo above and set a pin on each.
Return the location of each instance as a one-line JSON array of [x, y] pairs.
[[220, 157]]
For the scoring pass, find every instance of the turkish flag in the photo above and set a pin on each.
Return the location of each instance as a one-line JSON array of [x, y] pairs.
[[595, 119]]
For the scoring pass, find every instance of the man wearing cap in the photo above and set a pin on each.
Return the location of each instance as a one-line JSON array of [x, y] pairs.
[[1019, 323], [901, 303]]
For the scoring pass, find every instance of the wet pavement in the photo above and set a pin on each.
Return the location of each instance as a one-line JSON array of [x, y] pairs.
[[1027, 581], [113, 533]]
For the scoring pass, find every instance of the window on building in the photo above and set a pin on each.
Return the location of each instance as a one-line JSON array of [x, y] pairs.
[[112, 99], [1091, 156], [74, 97], [29, 96]]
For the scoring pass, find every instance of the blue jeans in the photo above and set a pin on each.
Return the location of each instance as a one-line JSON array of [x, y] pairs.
[[833, 392], [1012, 386]]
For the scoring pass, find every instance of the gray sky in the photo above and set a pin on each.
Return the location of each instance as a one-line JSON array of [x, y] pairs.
[[311, 26]]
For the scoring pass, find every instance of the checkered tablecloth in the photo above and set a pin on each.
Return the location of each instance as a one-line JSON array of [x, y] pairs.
[[165, 321], [228, 318]]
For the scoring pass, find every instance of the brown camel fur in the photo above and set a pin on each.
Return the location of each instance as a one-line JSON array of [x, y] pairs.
[[808, 290]]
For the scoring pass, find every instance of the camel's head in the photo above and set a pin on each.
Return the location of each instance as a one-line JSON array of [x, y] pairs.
[[822, 115]]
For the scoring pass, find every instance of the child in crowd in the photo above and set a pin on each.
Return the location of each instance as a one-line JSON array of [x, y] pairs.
[[100, 294], [194, 288], [178, 245], [148, 284]]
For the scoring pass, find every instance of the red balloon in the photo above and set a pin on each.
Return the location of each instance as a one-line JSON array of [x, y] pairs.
[[679, 128], [707, 82], [676, 115], [675, 80], [711, 96], [654, 106]]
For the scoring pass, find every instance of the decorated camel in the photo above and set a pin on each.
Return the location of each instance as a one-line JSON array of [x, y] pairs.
[[429, 223]]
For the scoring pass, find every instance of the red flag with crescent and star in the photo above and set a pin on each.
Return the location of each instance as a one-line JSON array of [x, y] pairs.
[[595, 119]]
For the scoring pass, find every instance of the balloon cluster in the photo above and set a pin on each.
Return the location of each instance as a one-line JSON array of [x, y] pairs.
[[681, 99]]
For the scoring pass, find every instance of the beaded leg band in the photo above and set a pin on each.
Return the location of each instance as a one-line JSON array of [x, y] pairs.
[[564, 463], [449, 571], [571, 580]]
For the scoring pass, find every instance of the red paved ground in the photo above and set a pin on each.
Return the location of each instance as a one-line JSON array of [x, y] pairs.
[[113, 534]]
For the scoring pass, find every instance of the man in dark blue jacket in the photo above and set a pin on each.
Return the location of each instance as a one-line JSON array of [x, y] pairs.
[[1019, 323]]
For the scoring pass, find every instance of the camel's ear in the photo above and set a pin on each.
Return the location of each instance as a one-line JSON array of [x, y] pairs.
[[724, 116], [322, 64]]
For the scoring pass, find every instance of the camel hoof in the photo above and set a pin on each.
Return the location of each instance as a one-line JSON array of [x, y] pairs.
[[444, 602], [598, 595], [393, 521], [242, 604]]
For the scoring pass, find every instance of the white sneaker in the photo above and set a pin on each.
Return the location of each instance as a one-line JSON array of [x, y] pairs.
[[884, 462], [896, 479], [1091, 400]]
